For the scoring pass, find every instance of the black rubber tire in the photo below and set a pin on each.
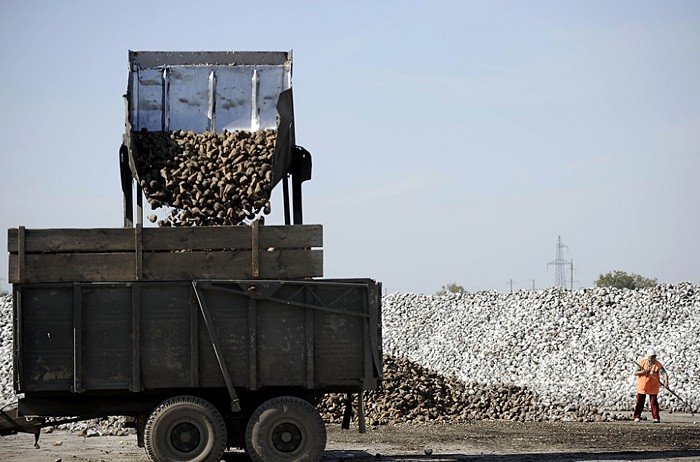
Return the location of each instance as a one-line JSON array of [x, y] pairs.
[[285, 429], [185, 429]]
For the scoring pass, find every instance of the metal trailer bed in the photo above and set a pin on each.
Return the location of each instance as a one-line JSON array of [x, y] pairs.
[[206, 337], [102, 349], [82, 339]]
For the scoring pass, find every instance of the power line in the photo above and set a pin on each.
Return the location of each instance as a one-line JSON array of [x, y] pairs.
[[571, 273], [560, 265]]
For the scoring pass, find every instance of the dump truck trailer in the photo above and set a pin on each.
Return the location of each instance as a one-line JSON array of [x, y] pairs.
[[204, 337]]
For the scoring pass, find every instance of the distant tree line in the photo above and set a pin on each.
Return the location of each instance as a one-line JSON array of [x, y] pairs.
[[617, 279], [451, 288], [623, 280]]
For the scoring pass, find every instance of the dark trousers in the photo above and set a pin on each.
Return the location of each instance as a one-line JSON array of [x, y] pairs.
[[653, 404]]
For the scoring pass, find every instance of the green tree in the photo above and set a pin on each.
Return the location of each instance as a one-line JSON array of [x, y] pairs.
[[451, 288], [623, 280]]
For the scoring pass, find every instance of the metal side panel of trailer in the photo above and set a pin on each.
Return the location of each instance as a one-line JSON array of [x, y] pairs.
[[249, 334]]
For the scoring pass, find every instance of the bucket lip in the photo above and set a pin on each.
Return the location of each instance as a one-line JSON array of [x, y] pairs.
[[149, 59]]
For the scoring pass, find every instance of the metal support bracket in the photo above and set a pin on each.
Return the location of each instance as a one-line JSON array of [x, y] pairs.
[[21, 240], [347, 413], [235, 402], [255, 249], [301, 171], [361, 425]]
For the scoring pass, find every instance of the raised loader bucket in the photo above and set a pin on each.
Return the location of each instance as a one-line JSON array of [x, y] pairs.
[[212, 91]]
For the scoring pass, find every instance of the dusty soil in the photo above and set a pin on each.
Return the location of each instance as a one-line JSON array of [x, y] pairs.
[[487, 441]]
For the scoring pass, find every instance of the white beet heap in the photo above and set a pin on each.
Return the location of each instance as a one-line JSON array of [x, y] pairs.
[[569, 347]]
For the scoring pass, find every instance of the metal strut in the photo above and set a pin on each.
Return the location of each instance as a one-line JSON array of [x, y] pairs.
[[235, 402]]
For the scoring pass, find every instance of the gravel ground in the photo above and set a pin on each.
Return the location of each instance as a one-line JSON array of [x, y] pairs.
[[487, 441]]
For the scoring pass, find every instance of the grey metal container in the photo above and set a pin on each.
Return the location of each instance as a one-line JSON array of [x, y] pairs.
[[80, 339], [212, 91]]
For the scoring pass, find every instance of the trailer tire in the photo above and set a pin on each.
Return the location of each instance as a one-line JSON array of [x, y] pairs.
[[285, 429], [185, 429]]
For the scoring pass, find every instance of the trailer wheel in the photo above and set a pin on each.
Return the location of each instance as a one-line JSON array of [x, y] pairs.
[[185, 429], [285, 429]]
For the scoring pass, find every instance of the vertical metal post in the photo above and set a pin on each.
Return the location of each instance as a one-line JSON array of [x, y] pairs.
[[255, 249], [347, 413], [139, 205], [366, 347], [296, 199], [301, 171], [368, 374], [77, 339], [285, 189], [165, 104], [21, 241], [252, 344], [254, 102], [309, 331], [194, 344], [136, 337], [138, 243], [128, 204], [362, 427], [17, 338], [127, 185], [572, 274], [211, 112]]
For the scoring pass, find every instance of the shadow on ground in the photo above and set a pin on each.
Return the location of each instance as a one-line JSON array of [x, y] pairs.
[[363, 456]]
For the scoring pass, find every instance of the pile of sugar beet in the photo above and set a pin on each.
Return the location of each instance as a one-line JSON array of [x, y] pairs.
[[410, 393], [206, 178]]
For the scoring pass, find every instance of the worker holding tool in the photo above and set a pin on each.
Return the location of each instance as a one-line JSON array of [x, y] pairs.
[[649, 378]]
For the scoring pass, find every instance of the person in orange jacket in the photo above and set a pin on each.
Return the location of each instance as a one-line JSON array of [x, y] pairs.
[[649, 378]]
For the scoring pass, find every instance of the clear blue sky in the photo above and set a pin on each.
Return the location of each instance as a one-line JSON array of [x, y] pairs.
[[452, 141]]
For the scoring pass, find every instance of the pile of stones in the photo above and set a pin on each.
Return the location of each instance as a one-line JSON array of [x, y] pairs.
[[574, 347], [7, 393], [528, 356], [414, 394], [206, 178]]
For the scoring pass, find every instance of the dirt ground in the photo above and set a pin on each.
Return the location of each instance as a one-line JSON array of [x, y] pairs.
[[677, 439]]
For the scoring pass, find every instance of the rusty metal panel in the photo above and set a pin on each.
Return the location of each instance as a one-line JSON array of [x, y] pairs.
[[106, 342], [47, 338], [338, 348], [209, 371], [165, 333], [229, 312], [338, 340], [280, 344]]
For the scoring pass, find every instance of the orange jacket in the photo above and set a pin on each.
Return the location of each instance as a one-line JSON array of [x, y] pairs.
[[649, 384]]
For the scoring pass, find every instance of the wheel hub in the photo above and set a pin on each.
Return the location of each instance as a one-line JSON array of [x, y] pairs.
[[286, 437], [185, 437]]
